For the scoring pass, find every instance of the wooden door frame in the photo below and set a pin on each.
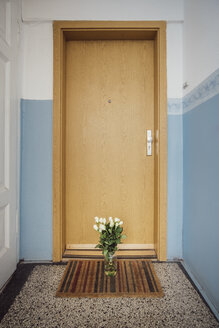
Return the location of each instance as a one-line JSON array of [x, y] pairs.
[[103, 30]]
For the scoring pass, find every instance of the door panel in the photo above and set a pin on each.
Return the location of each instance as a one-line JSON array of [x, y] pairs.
[[8, 139], [109, 106]]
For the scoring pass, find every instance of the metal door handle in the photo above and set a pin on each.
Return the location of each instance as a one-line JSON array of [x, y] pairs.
[[149, 142]]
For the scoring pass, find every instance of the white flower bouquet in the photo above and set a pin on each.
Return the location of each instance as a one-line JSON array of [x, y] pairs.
[[110, 235]]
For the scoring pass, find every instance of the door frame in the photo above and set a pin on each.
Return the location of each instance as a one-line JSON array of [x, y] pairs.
[[64, 31]]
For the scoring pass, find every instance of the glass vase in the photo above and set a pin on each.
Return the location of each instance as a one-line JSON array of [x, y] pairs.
[[110, 265]]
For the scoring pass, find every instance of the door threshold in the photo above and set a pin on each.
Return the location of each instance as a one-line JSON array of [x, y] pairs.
[[97, 254]]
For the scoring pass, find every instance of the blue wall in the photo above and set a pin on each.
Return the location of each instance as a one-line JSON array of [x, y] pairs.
[[36, 180], [174, 187], [201, 195]]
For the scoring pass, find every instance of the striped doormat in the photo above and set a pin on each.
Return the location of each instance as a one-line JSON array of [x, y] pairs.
[[134, 278]]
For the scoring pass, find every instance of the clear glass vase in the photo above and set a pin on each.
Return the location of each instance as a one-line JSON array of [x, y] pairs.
[[110, 266]]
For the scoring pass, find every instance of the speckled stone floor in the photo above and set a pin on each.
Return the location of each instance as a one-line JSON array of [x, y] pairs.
[[37, 306]]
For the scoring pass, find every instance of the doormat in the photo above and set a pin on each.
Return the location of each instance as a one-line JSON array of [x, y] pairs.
[[134, 278]]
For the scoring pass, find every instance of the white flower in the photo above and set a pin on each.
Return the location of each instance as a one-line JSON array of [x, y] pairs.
[[104, 221], [117, 220], [110, 218], [116, 224], [101, 220], [96, 219], [121, 222], [102, 227], [95, 227], [111, 223]]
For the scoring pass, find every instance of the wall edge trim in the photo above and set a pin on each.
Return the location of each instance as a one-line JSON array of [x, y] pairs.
[[33, 99], [204, 91], [174, 106]]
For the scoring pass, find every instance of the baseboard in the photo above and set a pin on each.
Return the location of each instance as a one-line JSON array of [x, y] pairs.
[[35, 261], [200, 290]]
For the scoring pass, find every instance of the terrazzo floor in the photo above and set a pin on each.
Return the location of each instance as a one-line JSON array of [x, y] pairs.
[[37, 306]]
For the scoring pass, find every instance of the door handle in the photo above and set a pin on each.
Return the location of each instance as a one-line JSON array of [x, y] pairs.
[[149, 142]]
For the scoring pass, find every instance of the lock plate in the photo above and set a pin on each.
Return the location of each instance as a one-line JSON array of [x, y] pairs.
[[149, 143]]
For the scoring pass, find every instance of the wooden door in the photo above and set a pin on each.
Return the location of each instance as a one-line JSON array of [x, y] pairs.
[[109, 106]]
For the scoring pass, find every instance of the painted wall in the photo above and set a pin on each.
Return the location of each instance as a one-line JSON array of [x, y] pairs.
[[201, 150], [36, 179], [174, 185], [37, 61], [201, 42], [174, 140], [37, 84], [48, 10]]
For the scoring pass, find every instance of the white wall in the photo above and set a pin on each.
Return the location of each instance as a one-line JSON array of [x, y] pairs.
[[38, 41], [174, 60], [201, 40], [37, 60], [38, 10]]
